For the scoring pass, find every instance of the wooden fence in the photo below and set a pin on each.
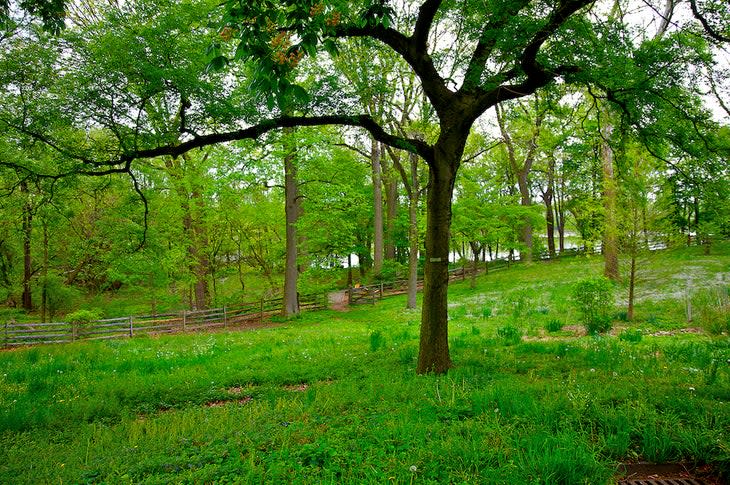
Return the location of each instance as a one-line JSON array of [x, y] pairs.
[[19, 334]]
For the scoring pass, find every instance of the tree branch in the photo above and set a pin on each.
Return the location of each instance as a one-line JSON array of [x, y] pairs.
[[426, 14], [433, 84], [706, 25], [253, 132]]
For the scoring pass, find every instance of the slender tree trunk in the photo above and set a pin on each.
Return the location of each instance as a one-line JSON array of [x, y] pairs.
[[198, 251], [610, 234], [44, 290], [525, 201], [239, 267], [27, 223], [391, 205], [632, 282], [475, 250], [547, 197], [349, 270], [413, 242], [292, 211], [560, 214], [375, 155]]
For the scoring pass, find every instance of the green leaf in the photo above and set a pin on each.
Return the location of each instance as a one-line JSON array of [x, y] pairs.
[[217, 64], [299, 94]]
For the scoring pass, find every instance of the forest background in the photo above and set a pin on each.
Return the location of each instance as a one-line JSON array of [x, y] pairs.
[[143, 169]]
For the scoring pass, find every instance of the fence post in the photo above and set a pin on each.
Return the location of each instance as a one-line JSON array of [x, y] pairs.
[[225, 318], [261, 312], [185, 316], [131, 327], [5, 341]]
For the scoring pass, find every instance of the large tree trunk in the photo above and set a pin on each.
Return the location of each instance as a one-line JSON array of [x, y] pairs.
[[433, 353], [610, 234], [27, 223], [292, 211], [375, 155]]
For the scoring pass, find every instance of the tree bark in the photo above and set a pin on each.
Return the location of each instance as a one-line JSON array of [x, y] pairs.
[[27, 228], [375, 155], [433, 353], [413, 243], [547, 197], [610, 234], [201, 263], [390, 186], [44, 289], [292, 211], [475, 249]]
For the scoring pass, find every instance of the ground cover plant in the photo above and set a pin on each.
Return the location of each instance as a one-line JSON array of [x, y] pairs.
[[333, 396]]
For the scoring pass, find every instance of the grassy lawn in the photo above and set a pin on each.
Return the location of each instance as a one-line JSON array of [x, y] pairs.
[[333, 397]]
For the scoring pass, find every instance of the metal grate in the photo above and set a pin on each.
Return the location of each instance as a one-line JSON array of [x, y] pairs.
[[663, 481]]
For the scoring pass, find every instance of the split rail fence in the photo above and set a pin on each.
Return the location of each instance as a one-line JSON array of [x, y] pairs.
[[19, 334]]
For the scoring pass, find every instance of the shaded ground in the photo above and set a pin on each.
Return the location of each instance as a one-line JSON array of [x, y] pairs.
[[678, 473]]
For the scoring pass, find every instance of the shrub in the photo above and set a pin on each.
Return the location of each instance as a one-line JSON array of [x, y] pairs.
[[631, 335], [554, 325], [509, 334], [377, 341], [81, 317], [391, 271], [712, 309], [593, 298]]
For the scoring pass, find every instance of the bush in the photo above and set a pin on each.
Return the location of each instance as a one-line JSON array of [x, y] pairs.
[[80, 319], [392, 271], [83, 316], [377, 341], [631, 335], [509, 334], [593, 298], [554, 325], [712, 309]]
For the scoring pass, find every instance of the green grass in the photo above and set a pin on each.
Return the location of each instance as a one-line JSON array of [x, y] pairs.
[[333, 397]]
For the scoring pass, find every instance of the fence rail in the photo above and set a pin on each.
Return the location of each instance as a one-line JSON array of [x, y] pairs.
[[21, 334]]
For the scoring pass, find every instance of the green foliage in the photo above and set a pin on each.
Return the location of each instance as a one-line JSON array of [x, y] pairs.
[[631, 335], [510, 335], [84, 316], [593, 299], [554, 325], [711, 307], [377, 341], [391, 271]]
